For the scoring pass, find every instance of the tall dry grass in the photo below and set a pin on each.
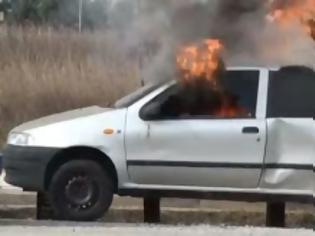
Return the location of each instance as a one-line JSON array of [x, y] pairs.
[[43, 71]]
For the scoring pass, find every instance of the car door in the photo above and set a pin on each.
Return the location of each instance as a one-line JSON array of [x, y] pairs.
[[198, 150]]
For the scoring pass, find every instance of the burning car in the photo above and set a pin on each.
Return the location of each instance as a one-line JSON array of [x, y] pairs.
[[248, 133]]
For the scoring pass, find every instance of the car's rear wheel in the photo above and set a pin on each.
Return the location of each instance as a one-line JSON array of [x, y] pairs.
[[81, 190]]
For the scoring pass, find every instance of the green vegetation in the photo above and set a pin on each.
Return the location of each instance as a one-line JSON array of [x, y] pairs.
[[56, 12]]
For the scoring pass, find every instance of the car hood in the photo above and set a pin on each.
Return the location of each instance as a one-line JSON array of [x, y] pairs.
[[61, 117]]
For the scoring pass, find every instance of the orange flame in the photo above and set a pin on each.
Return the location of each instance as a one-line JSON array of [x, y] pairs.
[[297, 11], [199, 61], [230, 112], [198, 65]]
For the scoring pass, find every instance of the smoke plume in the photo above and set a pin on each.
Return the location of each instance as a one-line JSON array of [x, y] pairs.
[[249, 36]]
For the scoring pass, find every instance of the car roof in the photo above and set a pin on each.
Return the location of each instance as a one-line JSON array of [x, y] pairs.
[[228, 68]]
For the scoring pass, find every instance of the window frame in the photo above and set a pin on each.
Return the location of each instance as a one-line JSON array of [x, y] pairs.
[[203, 117], [278, 111]]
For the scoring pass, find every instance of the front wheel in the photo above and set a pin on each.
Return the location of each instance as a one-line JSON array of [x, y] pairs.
[[81, 190]]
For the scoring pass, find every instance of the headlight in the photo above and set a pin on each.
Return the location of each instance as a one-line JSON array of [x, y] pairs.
[[20, 139]]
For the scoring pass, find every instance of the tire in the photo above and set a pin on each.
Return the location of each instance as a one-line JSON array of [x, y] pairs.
[[81, 190]]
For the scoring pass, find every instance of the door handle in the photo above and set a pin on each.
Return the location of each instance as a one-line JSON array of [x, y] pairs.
[[250, 130]]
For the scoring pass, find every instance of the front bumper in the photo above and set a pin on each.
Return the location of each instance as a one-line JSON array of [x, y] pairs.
[[25, 166]]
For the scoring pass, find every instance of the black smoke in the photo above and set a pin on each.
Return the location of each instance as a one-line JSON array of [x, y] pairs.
[[232, 21]]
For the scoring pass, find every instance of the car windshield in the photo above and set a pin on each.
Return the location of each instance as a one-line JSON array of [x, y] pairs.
[[135, 96]]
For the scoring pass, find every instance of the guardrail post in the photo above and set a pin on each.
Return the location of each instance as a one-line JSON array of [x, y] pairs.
[[275, 214], [43, 207], [151, 210]]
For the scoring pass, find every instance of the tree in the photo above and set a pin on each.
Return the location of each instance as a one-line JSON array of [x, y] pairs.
[[23, 10], [94, 13], [60, 12], [44, 8]]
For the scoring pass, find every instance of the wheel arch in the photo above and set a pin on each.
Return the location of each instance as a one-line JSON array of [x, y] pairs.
[[77, 153]]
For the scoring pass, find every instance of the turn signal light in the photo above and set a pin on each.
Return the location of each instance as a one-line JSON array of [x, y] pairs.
[[108, 131]]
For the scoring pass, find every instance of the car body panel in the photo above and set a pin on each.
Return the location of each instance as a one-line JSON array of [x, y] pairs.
[[201, 152], [290, 148], [208, 143], [86, 130], [61, 117]]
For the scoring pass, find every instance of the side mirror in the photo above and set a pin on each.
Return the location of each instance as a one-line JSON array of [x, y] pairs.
[[151, 111]]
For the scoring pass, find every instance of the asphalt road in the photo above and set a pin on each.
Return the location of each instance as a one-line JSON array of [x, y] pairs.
[[95, 229]]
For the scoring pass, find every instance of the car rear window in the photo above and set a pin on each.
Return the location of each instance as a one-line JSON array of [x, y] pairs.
[[292, 93]]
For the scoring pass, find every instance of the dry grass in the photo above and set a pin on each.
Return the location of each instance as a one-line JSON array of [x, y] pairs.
[[43, 71]]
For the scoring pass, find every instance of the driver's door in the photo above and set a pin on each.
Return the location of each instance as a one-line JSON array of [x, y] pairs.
[[198, 151]]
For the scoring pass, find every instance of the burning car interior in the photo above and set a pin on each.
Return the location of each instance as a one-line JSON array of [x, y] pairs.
[[202, 99], [234, 95], [206, 89]]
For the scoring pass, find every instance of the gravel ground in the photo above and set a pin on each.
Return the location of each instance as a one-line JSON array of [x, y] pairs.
[[149, 230]]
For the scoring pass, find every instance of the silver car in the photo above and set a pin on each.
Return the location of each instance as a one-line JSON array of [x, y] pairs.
[[147, 146]]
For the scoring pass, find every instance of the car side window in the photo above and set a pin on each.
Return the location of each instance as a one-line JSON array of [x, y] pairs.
[[236, 98], [291, 93]]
